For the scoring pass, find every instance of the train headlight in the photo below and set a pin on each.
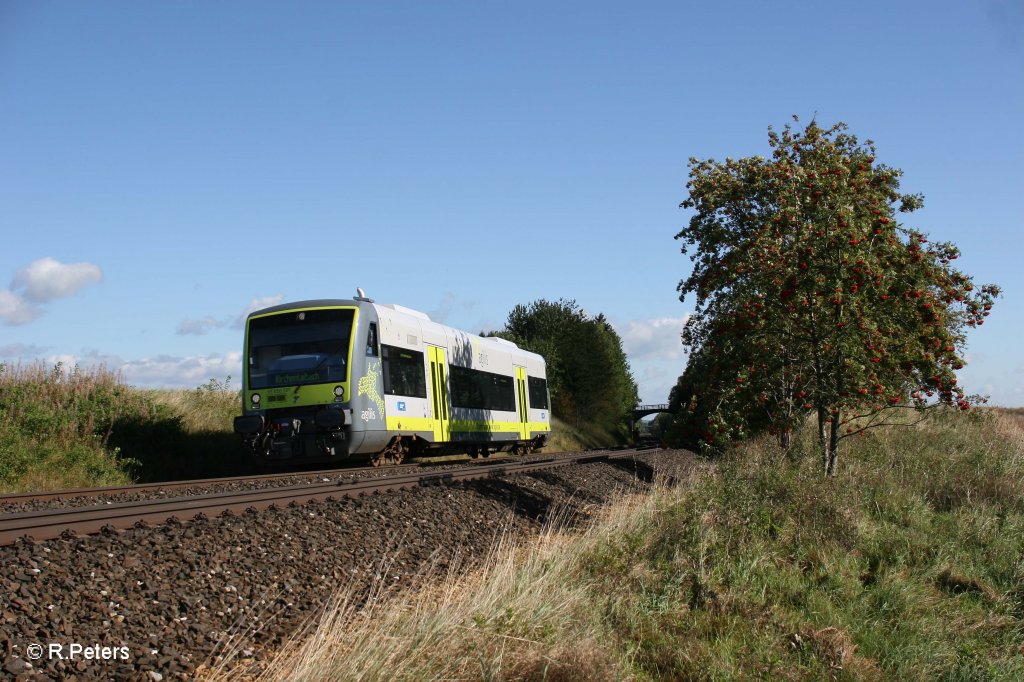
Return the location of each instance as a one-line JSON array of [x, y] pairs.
[[339, 391], [255, 398]]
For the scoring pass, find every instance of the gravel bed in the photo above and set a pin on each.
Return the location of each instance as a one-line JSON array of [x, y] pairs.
[[169, 594], [670, 464], [341, 476]]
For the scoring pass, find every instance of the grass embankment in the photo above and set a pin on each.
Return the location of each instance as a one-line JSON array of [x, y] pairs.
[[909, 565], [65, 428], [565, 438]]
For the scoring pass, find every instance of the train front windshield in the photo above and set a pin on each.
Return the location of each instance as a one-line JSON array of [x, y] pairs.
[[293, 348]]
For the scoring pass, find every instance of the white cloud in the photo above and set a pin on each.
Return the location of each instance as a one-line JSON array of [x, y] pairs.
[[163, 370], [654, 373], [41, 282], [190, 371], [257, 304], [207, 324], [21, 350], [14, 310], [444, 308], [655, 377], [66, 360], [653, 339], [199, 327], [655, 381], [47, 278], [449, 302]]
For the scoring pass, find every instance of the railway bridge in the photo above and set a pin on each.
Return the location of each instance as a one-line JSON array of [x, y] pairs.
[[642, 411]]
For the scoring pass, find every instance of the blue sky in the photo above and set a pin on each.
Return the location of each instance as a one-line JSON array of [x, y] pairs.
[[166, 166]]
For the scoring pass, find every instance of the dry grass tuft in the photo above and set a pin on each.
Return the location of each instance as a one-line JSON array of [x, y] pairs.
[[210, 408], [522, 615], [1008, 422], [958, 584], [569, 662], [834, 646]]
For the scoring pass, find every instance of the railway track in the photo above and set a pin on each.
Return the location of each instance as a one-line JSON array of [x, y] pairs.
[[104, 491], [194, 483], [52, 523]]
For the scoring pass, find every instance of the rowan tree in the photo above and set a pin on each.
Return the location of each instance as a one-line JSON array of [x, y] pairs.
[[811, 297]]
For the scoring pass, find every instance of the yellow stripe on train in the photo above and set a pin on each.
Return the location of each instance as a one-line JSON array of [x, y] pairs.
[[463, 426]]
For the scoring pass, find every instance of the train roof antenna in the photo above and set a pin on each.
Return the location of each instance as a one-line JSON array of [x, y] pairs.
[[361, 295]]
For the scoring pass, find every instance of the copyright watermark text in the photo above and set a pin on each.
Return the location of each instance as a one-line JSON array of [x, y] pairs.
[[74, 651]]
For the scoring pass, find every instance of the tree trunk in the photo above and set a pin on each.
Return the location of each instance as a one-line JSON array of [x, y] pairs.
[[833, 440], [833, 446], [785, 439], [822, 445]]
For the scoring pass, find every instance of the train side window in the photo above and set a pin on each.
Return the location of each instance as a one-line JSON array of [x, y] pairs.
[[465, 392], [481, 390], [538, 393], [403, 372], [371, 340]]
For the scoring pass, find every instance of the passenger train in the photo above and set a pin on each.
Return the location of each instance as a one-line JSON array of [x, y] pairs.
[[351, 378]]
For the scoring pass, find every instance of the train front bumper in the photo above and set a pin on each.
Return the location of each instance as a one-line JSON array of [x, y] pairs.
[[296, 433]]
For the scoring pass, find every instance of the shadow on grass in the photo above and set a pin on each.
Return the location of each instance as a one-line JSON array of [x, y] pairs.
[[165, 451], [564, 511]]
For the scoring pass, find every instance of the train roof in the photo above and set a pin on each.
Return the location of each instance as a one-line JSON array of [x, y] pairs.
[[313, 303], [392, 308]]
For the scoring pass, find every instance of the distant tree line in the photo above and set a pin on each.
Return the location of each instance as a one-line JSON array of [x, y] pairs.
[[589, 378]]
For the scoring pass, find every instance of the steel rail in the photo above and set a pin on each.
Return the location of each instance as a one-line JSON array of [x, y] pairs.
[[43, 495], [52, 523], [196, 483]]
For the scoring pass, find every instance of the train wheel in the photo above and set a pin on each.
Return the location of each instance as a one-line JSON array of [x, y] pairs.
[[394, 453], [522, 449]]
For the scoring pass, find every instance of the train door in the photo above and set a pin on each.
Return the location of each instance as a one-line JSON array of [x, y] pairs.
[[439, 390], [524, 407]]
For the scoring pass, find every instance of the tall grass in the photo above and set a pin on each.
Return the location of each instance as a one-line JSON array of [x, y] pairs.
[[565, 438], [55, 424], [66, 427], [514, 617], [909, 565], [210, 407]]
